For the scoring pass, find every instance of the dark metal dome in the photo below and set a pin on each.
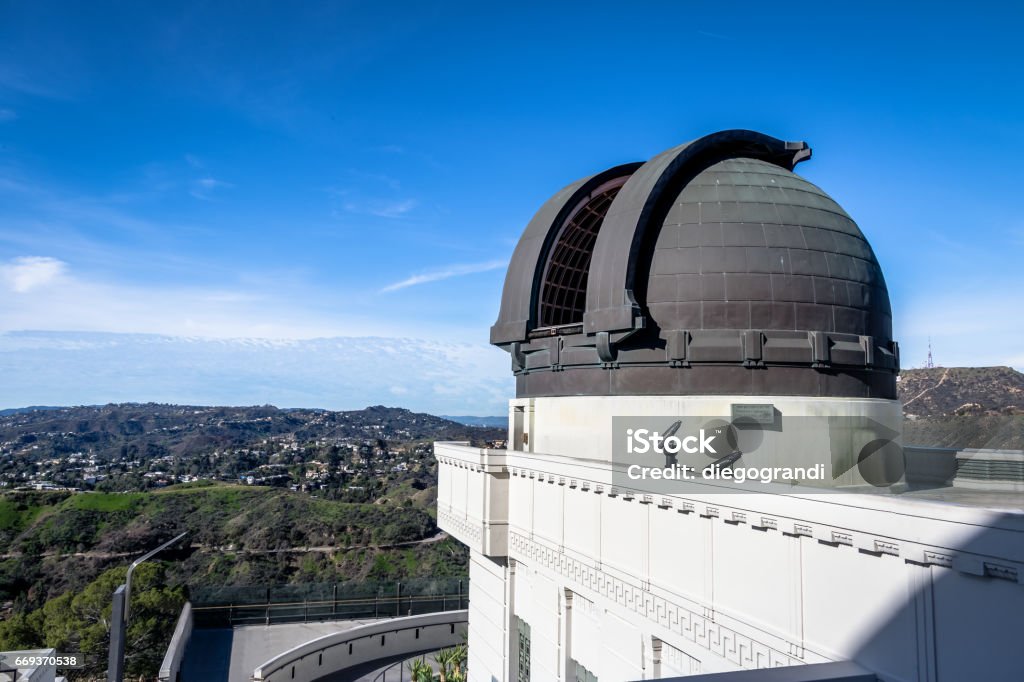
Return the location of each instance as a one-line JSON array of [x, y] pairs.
[[710, 269]]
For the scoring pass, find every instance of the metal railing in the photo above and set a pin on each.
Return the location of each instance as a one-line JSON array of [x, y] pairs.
[[308, 603]]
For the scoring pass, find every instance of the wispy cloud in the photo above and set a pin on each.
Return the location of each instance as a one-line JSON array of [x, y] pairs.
[[382, 199], [68, 368], [56, 204], [22, 275], [391, 209], [380, 178], [7, 115], [445, 273], [36, 85], [41, 292], [966, 329], [381, 208], [203, 188]]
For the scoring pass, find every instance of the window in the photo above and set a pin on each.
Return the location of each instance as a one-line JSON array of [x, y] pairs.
[[523, 628], [519, 436], [564, 292]]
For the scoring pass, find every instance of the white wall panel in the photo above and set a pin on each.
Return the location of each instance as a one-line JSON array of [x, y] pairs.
[[547, 512], [756, 576], [678, 549], [623, 534], [858, 604]]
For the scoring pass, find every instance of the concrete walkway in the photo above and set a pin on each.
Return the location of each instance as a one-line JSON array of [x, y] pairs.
[[231, 655]]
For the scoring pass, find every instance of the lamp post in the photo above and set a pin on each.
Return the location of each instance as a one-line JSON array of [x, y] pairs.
[[120, 612]]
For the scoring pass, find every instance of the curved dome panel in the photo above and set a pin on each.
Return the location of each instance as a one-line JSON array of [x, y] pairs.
[[749, 245], [711, 269], [519, 299]]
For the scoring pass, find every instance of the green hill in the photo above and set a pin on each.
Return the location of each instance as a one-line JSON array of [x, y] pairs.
[[57, 541]]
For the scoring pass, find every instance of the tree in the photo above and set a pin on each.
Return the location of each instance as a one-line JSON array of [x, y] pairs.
[[81, 622], [20, 631], [420, 671], [452, 663]]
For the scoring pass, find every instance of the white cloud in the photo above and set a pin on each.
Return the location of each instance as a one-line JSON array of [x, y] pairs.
[[26, 273], [45, 294], [355, 201], [63, 368], [445, 273]]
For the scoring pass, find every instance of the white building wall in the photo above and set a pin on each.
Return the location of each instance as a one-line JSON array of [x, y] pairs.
[[489, 635], [636, 586], [537, 603], [977, 615], [682, 566]]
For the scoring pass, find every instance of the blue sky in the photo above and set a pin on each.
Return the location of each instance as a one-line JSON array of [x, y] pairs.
[[357, 169]]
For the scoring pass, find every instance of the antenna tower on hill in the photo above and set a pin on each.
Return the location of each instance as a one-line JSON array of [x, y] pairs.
[[931, 363]]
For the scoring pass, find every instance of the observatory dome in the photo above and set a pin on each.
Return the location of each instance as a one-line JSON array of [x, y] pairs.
[[711, 269]]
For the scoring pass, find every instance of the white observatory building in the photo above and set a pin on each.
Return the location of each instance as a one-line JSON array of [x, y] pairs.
[[713, 295]]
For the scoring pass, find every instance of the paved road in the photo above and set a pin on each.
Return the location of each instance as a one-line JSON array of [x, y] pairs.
[[231, 655], [322, 549]]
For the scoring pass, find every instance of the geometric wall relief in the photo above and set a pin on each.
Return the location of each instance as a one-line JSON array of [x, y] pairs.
[[702, 631]]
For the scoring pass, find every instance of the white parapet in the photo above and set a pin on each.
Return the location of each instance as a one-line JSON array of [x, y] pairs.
[[472, 501], [352, 653]]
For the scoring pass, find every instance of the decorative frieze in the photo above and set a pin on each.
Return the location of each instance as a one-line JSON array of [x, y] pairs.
[[466, 531], [698, 624]]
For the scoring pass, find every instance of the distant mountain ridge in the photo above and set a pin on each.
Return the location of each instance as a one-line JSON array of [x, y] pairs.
[[188, 429], [338, 373], [469, 420], [30, 408], [943, 391]]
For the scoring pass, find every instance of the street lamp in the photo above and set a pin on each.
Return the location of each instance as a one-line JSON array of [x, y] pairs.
[[120, 612]]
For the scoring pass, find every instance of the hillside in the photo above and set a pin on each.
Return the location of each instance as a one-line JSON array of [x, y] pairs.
[[135, 447], [63, 553], [941, 391], [54, 542], [347, 483], [268, 497], [104, 430], [963, 407]]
